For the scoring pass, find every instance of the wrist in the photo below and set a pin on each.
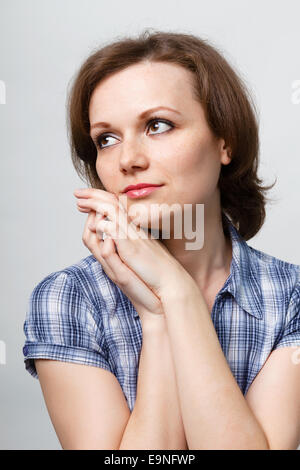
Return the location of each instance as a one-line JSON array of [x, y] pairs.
[[178, 289], [154, 324]]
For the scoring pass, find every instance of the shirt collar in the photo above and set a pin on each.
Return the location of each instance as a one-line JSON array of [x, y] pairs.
[[243, 282]]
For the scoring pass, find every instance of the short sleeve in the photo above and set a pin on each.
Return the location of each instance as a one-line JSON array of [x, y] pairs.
[[290, 335], [60, 324]]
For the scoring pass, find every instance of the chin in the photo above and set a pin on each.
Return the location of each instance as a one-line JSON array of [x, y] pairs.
[[157, 229], [162, 220], [146, 223]]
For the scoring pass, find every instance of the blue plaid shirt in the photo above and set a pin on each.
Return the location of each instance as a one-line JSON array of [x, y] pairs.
[[79, 315]]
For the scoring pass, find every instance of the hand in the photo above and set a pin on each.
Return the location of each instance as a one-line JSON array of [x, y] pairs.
[[147, 258], [144, 300]]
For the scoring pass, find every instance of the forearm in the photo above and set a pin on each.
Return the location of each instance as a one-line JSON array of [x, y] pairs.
[[155, 422], [214, 411]]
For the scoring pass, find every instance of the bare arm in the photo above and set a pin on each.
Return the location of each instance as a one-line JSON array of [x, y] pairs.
[[274, 397], [155, 422], [86, 404], [88, 409], [214, 411]]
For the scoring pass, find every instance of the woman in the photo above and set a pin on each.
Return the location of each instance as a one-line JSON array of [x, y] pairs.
[[152, 345]]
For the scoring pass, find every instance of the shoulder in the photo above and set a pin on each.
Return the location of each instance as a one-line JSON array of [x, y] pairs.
[[280, 281], [79, 297], [67, 315], [83, 282], [272, 261], [269, 288], [277, 283], [282, 274]]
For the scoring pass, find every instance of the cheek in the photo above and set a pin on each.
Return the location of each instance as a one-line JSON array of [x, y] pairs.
[[104, 173], [99, 167], [196, 170], [191, 154]]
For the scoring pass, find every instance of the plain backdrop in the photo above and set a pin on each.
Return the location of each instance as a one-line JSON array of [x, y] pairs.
[[42, 45]]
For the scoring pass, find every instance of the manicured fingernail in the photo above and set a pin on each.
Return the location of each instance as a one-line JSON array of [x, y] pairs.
[[79, 190]]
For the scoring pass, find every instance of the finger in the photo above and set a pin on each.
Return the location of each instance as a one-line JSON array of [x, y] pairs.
[[104, 250], [105, 227], [133, 287], [115, 214], [90, 222], [95, 245], [93, 227], [107, 208], [94, 193], [93, 223], [111, 206], [114, 263], [106, 196], [127, 280]]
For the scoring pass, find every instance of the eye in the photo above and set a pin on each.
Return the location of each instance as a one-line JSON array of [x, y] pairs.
[[158, 120], [155, 120], [102, 137]]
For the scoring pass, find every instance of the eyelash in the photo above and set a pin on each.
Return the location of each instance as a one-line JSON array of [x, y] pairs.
[[98, 137]]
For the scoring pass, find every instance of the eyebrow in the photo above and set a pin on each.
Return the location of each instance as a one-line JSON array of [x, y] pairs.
[[140, 117]]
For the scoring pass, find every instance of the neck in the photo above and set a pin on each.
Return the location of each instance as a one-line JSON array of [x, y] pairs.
[[212, 260]]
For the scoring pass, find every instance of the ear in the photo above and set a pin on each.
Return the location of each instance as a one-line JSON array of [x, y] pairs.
[[225, 153]]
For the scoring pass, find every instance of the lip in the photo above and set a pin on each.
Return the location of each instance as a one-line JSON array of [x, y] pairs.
[[140, 186], [142, 192]]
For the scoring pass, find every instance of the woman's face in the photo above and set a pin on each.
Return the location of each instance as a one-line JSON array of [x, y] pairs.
[[177, 149]]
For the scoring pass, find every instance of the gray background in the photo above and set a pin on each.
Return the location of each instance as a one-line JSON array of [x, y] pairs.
[[42, 44]]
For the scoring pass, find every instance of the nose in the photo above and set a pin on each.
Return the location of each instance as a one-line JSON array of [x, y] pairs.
[[133, 157]]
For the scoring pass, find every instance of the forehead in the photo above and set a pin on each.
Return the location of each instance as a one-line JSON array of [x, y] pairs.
[[143, 85]]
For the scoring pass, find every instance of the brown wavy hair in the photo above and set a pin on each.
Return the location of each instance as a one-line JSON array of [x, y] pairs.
[[229, 109]]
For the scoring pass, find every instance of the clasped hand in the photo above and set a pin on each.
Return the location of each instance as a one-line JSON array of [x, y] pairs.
[[140, 266]]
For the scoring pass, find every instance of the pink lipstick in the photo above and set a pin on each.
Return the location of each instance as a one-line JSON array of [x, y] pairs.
[[140, 190]]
